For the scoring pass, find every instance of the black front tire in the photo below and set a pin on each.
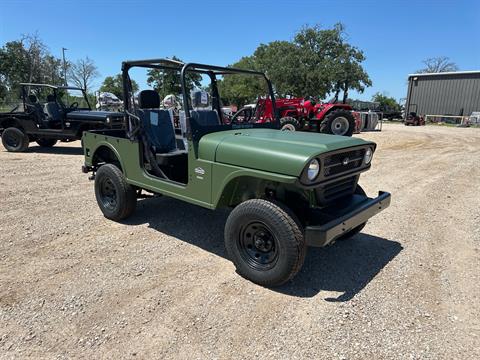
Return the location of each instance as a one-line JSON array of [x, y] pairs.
[[43, 142], [116, 198], [338, 122], [356, 230], [265, 242], [289, 123], [15, 140]]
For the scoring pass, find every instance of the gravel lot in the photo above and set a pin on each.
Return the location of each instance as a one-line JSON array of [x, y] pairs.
[[73, 284]]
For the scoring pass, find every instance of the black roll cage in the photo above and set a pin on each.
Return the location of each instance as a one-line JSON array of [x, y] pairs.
[[194, 130], [55, 89]]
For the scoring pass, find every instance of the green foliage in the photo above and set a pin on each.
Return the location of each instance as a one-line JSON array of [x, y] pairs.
[[315, 63], [26, 60], [241, 89], [386, 103], [114, 85], [167, 82]]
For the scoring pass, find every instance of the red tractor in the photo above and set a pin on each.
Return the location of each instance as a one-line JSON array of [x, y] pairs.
[[299, 114]]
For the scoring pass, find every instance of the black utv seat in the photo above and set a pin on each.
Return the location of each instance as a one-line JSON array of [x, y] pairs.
[[35, 106], [158, 127], [202, 114], [53, 110], [205, 117]]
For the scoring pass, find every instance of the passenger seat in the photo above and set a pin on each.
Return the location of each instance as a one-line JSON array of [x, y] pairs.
[[202, 112]]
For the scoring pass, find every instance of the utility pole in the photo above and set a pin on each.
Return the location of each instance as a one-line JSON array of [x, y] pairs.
[[64, 66]]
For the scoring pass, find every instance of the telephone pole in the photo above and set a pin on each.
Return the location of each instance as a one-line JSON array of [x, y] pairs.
[[64, 66]]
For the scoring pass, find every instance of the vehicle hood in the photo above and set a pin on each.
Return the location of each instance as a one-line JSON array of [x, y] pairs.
[[93, 115], [283, 152]]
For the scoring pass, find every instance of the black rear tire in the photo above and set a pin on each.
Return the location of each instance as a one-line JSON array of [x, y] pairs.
[[43, 142], [289, 123], [15, 140], [116, 198], [356, 230], [338, 122], [264, 242]]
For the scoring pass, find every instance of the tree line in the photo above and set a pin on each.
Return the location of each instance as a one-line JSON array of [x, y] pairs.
[[28, 59], [317, 62]]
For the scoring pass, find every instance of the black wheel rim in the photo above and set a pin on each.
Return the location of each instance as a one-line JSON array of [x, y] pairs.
[[108, 194], [11, 139], [258, 246]]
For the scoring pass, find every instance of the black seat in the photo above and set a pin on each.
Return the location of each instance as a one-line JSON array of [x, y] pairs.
[[53, 110], [36, 108], [205, 117], [202, 113], [158, 127]]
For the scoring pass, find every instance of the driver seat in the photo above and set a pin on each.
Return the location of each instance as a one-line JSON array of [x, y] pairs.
[[158, 127], [53, 110]]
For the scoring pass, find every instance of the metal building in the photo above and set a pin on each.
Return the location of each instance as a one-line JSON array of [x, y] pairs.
[[448, 93]]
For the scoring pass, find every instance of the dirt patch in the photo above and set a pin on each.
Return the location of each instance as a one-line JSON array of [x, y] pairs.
[[73, 284]]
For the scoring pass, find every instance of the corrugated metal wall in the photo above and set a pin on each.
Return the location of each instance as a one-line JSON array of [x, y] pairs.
[[449, 94]]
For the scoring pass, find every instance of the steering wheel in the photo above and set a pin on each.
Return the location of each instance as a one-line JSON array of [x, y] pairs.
[[248, 114], [74, 105]]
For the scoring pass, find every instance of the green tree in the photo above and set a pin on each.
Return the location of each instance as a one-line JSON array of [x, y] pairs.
[[386, 103], [13, 66], [167, 82], [315, 63], [26, 60], [330, 63], [240, 89], [114, 85]]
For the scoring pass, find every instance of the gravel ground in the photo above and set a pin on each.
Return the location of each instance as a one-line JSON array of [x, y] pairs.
[[73, 284]]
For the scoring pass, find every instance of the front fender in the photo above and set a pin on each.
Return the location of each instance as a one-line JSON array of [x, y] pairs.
[[232, 185]]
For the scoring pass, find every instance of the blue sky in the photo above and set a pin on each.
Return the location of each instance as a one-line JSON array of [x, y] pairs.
[[395, 35]]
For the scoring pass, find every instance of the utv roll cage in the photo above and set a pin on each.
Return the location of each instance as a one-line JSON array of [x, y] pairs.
[[194, 129], [55, 89]]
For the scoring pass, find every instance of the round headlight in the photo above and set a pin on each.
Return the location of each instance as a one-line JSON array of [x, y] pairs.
[[368, 156], [313, 169]]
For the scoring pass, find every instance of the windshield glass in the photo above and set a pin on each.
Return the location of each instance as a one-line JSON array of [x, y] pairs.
[[73, 98]]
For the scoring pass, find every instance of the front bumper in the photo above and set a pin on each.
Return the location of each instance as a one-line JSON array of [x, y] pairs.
[[358, 211]]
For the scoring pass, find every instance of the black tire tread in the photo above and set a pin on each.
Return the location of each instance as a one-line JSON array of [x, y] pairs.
[[290, 120], [130, 195], [325, 125], [23, 147], [280, 218], [46, 142]]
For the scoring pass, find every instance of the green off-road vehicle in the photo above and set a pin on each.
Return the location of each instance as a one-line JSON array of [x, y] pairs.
[[288, 190]]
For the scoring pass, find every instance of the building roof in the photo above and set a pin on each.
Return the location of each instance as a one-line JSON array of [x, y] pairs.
[[446, 73]]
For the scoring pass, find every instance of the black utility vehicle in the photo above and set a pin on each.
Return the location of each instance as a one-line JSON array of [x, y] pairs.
[[48, 113]]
